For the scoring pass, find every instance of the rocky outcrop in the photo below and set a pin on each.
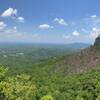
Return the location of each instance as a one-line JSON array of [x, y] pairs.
[[84, 60], [97, 41]]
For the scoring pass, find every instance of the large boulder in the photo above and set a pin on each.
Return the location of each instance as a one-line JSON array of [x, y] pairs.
[[97, 41]]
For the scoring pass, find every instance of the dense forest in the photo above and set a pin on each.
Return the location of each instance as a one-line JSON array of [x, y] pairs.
[[51, 78], [43, 85]]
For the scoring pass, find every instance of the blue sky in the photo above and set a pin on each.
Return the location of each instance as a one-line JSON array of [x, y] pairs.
[[49, 21]]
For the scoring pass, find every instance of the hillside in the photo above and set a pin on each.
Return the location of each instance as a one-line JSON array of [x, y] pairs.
[[27, 54], [74, 76], [84, 60]]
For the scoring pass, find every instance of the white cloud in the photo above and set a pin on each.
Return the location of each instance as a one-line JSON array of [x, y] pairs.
[[94, 32], [45, 26], [2, 25], [75, 33], [15, 28], [20, 19], [95, 19], [93, 16], [13, 13], [60, 21], [10, 12], [12, 34]]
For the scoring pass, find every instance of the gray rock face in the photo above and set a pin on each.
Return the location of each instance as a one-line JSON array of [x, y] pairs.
[[97, 41]]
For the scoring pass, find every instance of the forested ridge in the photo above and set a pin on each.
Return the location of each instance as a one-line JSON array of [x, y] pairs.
[[74, 76]]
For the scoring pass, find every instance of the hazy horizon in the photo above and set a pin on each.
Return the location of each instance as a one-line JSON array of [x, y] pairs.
[[21, 42]]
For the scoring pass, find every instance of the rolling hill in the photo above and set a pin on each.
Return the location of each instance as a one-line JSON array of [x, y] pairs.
[[72, 76]]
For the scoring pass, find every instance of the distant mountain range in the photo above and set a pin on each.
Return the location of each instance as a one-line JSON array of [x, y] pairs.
[[74, 46], [48, 45], [77, 45]]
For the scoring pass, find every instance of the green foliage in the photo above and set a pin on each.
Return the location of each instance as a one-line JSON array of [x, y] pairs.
[[42, 86], [17, 88], [97, 47], [2, 72], [47, 97]]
